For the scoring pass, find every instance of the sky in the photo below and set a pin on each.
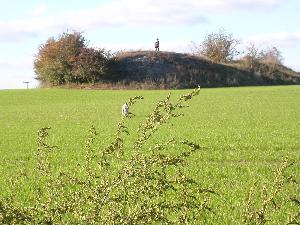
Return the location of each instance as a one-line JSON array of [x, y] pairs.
[[135, 24]]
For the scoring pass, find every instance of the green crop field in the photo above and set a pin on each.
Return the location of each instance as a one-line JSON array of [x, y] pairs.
[[243, 132]]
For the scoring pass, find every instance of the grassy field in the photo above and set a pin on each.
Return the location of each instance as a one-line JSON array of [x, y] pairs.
[[244, 133]]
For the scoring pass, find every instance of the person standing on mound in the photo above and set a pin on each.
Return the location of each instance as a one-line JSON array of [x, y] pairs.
[[157, 45]]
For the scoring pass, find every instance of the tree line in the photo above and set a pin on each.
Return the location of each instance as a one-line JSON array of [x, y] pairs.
[[68, 58]]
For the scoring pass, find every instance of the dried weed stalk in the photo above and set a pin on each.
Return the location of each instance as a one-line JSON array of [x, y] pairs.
[[144, 186], [262, 201]]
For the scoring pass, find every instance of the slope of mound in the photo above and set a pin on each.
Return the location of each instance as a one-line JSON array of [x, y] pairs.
[[176, 70]]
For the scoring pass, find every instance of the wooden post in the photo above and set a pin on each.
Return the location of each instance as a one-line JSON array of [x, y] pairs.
[[26, 82]]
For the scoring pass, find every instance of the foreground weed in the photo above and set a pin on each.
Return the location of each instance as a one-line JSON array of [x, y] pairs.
[[111, 187], [262, 203]]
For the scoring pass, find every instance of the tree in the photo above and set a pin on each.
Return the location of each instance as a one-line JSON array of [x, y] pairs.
[[56, 59], [272, 56], [91, 65], [252, 56], [67, 59], [219, 47]]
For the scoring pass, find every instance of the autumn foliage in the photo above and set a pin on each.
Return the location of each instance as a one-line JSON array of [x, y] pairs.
[[67, 59]]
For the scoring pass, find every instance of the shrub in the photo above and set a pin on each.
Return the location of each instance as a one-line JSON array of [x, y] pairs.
[[252, 57], [219, 47], [263, 202], [266, 61], [67, 59], [91, 65], [271, 56], [56, 59]]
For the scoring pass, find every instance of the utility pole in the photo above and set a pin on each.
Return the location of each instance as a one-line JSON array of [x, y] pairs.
[[26, 82]]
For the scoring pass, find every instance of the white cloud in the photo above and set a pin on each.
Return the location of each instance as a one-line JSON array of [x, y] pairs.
[[249, 4], [22, 63], [294, 65], [287, 42], [13, 81], [3, 62], [17, 30], [281, 40], [14, 71], [124, 13], [38, 11]]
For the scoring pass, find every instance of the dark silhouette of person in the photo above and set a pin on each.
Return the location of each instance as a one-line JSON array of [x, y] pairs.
[[157, 45]]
